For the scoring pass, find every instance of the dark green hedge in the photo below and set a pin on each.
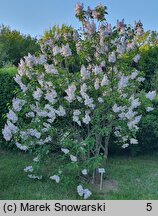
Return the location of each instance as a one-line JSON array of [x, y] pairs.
[[7, 92]]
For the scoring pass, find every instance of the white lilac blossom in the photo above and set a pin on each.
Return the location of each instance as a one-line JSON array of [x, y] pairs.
[[116, 108], [97, 70], [28, 169], [21, 147], [90, 27], [130, 114], [18, 80], [12, 127], [89, 102], [120, 49], [141, 79], [48, 85], [125, 145], [112, 57], [83, 90], [75, 35], [108, 29], [133, 123], [37, 94], [36, 159], [97, 84], [70, 93], [51, 116], [78, 8], [151, 95], [61, 111], [51, 96], [76, 114], [87, 193], [30, 114], [56, 50], [84, 172], [55, 178], [123, 82], [120, 24], [34, 177], [122, 116], [149, 109], [135, 103], [124, 95], [50, 69], [18, 104], [136, 58], [47, 139], [30, 60], [78, 47], [76, 119], [134, 74], [65, 150], [46, 125], [12, 116], [84, 73], [33, 132], [7, 134], [117, 133], [86, 119], [79, 98], [24, 135], [105, 80], [73, 158], [80, 190], [130, 46], [42, 113], [133, 141], [125, 138], [66, 51], [41, 59], [43, 141], [100, 100]]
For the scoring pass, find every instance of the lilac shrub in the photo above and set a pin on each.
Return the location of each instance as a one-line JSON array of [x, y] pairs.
[[76, 112]]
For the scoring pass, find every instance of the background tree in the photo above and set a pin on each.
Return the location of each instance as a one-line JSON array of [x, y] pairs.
[[14, 45]]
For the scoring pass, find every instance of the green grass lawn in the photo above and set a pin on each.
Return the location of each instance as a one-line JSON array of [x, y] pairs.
[[136, 178]]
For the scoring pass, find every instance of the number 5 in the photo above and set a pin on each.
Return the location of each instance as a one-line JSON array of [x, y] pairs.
[[149, 206]]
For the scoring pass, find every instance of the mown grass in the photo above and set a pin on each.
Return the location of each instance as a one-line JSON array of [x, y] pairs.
[[137, 178]]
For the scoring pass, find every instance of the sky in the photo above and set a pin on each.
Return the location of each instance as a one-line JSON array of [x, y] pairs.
[[35, 16]]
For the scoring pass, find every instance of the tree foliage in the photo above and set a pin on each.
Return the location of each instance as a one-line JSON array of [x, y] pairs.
[[13, 46]]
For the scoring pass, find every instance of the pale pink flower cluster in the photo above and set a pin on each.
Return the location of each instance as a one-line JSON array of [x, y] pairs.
[[70, 93], [37, 94], [51, 96], [112, 57], [18, 80], [84, 73], [28, 169], [151, 95], [76, 114], [86, 193], [34, 177], [50, 69], [123, 82], [21, 147], [86, 119], [55, 178], [12, 116], [66, 51], [18, 104]]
